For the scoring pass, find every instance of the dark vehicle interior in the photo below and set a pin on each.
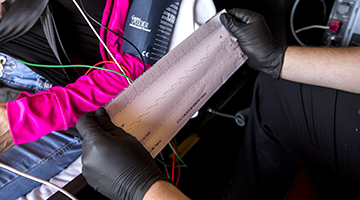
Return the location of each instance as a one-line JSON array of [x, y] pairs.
[[210, 142]]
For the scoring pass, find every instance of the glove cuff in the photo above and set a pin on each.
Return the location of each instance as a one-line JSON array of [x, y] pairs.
[[141, 191], [136, 182], [275, 73]]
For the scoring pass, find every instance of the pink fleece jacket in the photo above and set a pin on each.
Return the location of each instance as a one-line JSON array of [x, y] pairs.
[[32, 116]]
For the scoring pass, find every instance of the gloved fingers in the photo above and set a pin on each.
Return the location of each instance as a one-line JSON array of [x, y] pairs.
[[226, 20], [103, 118], [241, 15], [230, 23], [88, 127]]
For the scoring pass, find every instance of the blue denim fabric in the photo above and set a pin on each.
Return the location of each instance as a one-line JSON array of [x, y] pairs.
[[43, 158], [17, 75]]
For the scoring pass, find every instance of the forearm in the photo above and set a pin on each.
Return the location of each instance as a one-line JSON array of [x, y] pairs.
[[6, 141], [33, 115], [59, 108], [337, 68], [163, 190]]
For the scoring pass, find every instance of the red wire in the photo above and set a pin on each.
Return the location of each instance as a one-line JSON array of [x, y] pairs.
[[173, 167], [179, 165], [127, 72], [178, 178], [97, 64], [109, 61], [103, 62], [88, 71]]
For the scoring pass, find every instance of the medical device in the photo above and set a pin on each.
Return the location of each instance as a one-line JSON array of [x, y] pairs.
[[345, 14], [149, 26]]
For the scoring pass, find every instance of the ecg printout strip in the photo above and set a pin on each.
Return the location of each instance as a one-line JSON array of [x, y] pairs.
[[160, 102]]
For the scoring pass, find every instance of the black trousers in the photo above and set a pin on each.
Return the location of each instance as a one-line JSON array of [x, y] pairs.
[[293, 126]]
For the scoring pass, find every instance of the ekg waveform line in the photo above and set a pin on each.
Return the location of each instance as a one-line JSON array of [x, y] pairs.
[[160, 102], [187, 74], [193, 43], [203, 60], [172, 88]]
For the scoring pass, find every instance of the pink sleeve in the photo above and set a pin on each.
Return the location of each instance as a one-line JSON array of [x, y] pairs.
[[32, 116]]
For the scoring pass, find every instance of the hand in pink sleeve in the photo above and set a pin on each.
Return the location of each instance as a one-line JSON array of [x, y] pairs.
[[32, 116]]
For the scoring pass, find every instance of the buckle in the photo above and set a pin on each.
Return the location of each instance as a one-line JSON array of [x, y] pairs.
[[2, 63]]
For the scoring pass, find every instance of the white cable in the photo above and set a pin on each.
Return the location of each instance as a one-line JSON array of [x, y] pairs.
[[38, 180], [292, 22], [310, 27], [98, 36], [47, 182]]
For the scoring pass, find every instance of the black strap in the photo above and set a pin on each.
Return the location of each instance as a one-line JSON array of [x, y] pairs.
[[21, 16], [48, 25], [53, 38]]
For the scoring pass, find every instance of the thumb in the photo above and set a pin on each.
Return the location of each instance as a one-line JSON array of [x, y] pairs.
[[227, 20], [235, 17], [231, 23], [241, 15], [103, 118], [88, 127]]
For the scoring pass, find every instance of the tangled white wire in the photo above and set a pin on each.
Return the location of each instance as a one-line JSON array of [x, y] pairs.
[[38, 180]]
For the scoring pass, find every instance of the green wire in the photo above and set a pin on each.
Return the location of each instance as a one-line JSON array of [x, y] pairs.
[[183, 164], [167, 164], [60, 66], [88, 66], [177, 154]]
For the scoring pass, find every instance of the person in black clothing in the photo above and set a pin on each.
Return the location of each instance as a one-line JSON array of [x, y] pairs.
[[305, 113]]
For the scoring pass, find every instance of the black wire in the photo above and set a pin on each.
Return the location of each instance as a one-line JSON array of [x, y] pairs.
[[94, 20], [325, 9]]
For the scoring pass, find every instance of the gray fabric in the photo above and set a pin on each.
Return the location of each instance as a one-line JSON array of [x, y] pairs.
[[8, 94]]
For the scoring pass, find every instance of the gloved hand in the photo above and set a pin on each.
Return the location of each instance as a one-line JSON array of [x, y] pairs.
[[254, 37], [114, 162]]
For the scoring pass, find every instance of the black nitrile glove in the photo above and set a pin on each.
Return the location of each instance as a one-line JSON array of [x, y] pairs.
[[254, 37], [114, 162]]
